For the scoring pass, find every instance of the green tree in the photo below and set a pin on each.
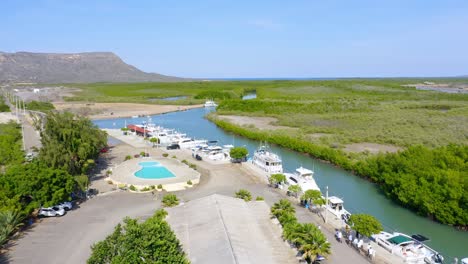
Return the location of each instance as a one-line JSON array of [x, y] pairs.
[[154, 140], [238, 153], [365, 224], [151, 241], [295, 189], [70, 142], [281, 207], [276, 179], [259, 198], [314, 196], [244, 194], [170, 200]]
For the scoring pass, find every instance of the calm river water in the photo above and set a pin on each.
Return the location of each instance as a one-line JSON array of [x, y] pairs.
[[359, 195]]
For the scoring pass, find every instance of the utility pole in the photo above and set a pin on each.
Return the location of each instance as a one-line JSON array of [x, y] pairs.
[[326, 205]]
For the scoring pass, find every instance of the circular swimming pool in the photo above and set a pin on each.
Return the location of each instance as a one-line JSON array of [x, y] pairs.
[[153, 170]]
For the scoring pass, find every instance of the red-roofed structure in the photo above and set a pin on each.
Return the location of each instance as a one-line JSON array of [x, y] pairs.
[[138, 130]]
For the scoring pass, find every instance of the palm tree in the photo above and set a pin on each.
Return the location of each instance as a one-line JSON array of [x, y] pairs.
[[287, 218], [283, 206], [312, 242], [244, 194], [291, 232], [295, 189], [10, 221]]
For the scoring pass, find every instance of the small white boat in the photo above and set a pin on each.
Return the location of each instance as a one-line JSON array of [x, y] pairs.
[[135, 116], [408, 248], [336, 207], [267, 161], [304, 178], [210, 103]]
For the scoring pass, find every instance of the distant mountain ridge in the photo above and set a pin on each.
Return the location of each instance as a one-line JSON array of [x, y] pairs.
[[88, 67]]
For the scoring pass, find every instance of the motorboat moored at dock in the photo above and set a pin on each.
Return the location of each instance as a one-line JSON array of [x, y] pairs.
[[302, 177], [408, 248], [268, 161]]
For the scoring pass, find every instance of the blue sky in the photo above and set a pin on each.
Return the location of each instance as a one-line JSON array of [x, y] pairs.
[[222, 39]]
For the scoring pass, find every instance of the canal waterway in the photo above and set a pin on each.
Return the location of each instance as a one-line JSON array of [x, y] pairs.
[[360, 196]]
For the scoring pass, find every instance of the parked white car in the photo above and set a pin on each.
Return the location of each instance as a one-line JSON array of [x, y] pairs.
[[65, 206], [51, 211]]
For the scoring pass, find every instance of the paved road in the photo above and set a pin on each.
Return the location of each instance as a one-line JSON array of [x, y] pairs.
[[68, 239]]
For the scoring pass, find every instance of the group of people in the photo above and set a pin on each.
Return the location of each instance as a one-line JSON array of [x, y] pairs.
[[357, 243]]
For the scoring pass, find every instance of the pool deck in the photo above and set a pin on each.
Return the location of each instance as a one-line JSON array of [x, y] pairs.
[[124, 174]]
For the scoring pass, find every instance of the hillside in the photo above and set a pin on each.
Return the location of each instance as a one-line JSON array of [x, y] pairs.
[[87, 67]]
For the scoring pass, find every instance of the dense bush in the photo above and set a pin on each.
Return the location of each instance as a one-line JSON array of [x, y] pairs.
[[10, 144], [40, 106], [244, 195], [29, 186], [214, 95], [151, 241], [3, 106], [433, 182], [170, 200]]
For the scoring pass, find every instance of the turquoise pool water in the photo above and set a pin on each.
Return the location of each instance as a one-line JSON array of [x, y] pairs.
[[153, 170]]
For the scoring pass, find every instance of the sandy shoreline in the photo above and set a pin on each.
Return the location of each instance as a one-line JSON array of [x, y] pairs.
[[98, 111]]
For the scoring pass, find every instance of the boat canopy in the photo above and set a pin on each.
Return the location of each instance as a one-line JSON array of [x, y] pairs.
[[420, 238], [335, 200], [399, 239]]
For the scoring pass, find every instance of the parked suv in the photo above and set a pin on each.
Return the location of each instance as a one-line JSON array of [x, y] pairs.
[[51, 211], [173, 146], [65, 206]]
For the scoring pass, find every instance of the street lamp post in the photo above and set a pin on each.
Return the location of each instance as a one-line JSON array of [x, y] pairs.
[[326, 204]]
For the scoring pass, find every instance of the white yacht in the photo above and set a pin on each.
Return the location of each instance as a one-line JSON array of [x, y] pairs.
[[210, 103], [188, 143], [267, 161], [304, 178], [408, 248]]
